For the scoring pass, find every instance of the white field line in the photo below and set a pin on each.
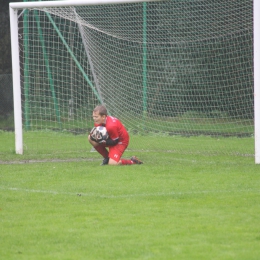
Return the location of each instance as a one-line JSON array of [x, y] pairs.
[[155, 194], [49, 161], [193, 161]]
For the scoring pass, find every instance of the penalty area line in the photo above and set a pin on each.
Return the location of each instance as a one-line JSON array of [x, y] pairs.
[[155, 194], [49, 161]]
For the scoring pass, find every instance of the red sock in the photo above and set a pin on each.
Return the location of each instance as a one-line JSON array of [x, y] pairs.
[[102, 150], [126, 162]]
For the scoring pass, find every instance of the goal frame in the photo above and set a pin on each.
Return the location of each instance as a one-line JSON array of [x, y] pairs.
[[13, 10]]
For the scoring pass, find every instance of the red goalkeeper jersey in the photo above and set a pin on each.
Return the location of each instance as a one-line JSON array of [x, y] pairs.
[[116, 130]]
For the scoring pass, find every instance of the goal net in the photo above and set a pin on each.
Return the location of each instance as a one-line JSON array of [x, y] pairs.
[[179, 75]]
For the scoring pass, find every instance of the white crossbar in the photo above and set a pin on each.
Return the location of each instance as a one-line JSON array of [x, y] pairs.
[[45, 4]]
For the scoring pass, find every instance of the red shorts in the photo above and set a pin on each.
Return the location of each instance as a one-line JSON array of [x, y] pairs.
[[115, 152]]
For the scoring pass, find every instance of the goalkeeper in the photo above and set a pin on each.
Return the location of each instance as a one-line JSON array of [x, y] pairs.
[[117, 142]]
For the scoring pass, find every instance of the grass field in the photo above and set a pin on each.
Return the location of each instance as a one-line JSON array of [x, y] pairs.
[[174, 206]]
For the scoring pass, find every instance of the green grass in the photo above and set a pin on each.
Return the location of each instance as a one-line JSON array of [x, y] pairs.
[[64, 145], [197, 123], [174, 206]]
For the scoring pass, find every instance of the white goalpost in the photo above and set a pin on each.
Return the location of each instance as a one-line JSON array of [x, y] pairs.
[[16, 81], [182, 71]]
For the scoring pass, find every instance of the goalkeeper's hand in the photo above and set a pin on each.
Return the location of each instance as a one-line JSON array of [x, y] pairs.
[[102, 142], [92, 134], [92, 138]]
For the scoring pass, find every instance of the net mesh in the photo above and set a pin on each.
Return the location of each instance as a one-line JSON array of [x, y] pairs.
[[173, 69]]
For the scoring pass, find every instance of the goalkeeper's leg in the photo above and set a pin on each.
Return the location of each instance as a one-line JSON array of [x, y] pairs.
[[133, 160], [99, 148], [115, 153], [113, 157]]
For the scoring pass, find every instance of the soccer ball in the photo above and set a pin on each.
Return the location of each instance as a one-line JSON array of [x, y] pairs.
[[101, 133]]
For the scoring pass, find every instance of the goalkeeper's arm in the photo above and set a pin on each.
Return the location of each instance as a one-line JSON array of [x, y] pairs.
[[109, 142]]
